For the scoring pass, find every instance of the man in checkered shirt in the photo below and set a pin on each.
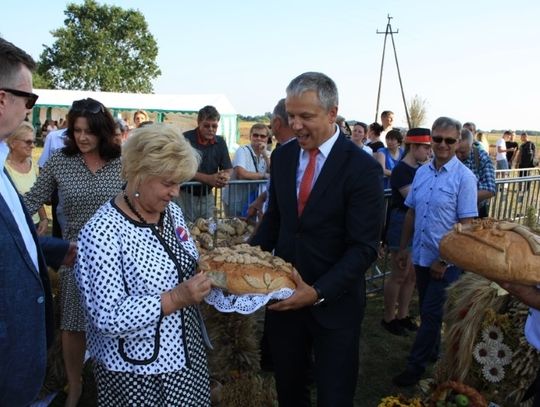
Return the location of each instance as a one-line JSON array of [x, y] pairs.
[[479, 162]]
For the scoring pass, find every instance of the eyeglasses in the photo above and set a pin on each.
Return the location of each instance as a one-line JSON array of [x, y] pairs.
[[257, 135], [448, 140], [87, 105], [31, 98]]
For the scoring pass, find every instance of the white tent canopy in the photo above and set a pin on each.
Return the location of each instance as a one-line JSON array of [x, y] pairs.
[[135, 101], [49, 98]]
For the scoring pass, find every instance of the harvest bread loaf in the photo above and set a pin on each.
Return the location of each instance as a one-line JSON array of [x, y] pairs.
[[220, 233], [495, 249], [244, 269]]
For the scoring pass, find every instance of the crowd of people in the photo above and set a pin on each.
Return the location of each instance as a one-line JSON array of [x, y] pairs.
[[129, 291]]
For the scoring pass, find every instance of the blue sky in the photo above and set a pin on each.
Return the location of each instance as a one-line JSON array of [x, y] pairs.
[[473, 60]]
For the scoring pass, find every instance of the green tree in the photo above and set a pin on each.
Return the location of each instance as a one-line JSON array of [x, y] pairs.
[[41, 82], [417, 111], [101, 48]]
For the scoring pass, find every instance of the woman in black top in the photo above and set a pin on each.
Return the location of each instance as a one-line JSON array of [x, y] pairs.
[[374, 136], [400, 286]]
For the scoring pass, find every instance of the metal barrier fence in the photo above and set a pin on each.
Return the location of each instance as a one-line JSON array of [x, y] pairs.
[[231, 201], [516, 199], [518, 196]]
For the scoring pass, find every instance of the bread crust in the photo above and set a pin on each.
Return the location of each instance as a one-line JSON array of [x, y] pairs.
[[497, 250], [244, 269]]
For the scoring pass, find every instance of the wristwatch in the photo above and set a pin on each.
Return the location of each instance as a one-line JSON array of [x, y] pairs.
[[444, 263], [320, 296]]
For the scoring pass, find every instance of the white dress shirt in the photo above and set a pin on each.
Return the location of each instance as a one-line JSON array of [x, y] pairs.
[[10, 195], [324, 150]]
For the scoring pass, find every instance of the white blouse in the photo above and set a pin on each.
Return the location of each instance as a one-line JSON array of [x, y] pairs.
[[122, 269]]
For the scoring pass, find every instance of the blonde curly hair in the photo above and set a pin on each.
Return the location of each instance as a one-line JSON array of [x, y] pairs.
[[158, 150]]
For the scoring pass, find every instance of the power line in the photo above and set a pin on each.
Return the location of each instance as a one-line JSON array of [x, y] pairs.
[[386, 33]]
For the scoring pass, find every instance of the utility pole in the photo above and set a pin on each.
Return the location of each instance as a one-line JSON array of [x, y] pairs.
[[386, 33]]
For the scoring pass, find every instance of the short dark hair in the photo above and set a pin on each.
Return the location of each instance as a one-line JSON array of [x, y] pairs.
[[376, 128], [363, 125], [208, 113], [471, 126], [281, 112], [101, 124], [386, 113], [395, 135], [467, 136], [11, 59]]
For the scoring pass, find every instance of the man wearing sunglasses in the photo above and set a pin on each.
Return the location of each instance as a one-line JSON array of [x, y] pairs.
[[25, 301], [442, 194], [251, 162]]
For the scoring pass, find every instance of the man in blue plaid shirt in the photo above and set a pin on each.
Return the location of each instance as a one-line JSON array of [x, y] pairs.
[[479, 162]]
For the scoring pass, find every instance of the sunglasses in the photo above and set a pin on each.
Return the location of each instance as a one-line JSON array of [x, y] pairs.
[[449, 140], [257, 135], [31, 98], [87, 105], [27, 142], [210, 126]]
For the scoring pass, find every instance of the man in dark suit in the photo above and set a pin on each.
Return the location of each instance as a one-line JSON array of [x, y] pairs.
[[324, 216], [25, 295]]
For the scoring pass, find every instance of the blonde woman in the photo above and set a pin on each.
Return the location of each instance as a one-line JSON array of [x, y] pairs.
[[22, 170], [139, 117], [136, 273]]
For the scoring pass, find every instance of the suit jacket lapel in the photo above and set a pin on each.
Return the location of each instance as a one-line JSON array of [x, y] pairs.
[[331, 169], [289, 165], [13, 229]]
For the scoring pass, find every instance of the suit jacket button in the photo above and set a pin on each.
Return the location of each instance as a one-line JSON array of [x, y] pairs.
[[40, 300]]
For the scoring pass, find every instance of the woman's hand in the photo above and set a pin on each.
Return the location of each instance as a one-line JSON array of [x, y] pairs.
[[187, 293], [43, 225], [402, 258]]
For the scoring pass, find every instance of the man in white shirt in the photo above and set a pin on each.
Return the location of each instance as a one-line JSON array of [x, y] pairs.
[[325, 220], [387, 121], [55, 140], [502, 162], [251, 162]]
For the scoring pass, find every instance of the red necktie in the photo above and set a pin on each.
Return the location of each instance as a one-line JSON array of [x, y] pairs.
[[307, 181]]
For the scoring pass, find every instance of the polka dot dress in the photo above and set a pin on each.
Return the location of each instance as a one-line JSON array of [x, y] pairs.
[[142, 357], [82, 192]]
